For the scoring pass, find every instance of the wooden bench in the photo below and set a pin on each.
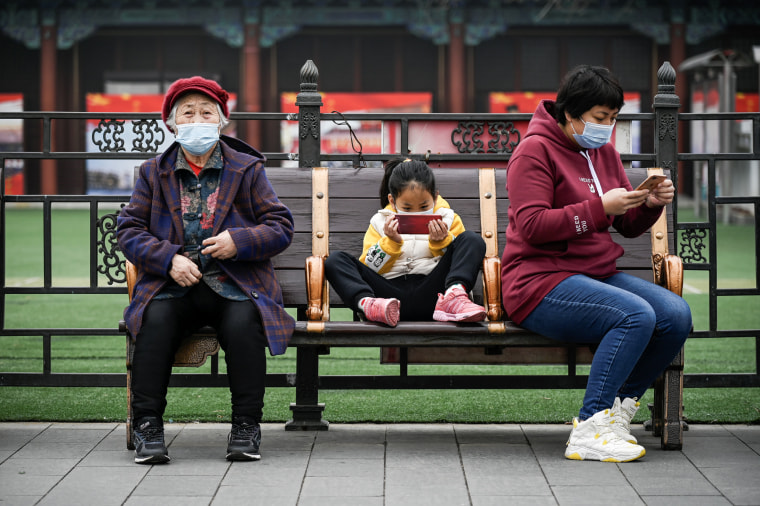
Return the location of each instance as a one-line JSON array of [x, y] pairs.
[[344, 199], [332, 208]]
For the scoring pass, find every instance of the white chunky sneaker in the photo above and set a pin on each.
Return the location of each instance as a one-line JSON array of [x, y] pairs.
[[622, 413], [594, 439]]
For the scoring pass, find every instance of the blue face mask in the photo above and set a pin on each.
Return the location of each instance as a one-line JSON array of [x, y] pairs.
[[594, 135], [198, 138]]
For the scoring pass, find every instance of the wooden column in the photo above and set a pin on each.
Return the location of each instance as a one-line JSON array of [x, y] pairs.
[[457, 75], [251, 85], [48, 79]]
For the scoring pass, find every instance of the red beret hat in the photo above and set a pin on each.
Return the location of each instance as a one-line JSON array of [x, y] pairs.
[[194, 84]]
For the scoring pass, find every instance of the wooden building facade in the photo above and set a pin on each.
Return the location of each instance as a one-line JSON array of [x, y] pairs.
[[56, 52]]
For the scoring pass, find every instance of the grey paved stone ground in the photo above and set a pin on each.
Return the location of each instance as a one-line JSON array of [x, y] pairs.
[[372, 465]]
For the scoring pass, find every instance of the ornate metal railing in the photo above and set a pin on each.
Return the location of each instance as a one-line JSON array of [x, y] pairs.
[[459, 139]]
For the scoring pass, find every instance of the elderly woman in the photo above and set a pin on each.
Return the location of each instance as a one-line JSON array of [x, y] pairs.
[[567, 187], [202, 226]]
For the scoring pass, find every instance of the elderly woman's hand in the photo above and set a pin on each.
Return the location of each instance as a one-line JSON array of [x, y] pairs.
[[184, 271], [220, 246]]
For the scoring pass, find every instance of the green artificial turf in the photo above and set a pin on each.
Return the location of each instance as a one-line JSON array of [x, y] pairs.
[[736, 257]]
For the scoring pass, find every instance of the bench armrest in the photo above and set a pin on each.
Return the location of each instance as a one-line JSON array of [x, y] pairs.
[[131, 271], [667, 268], [316, 289], [668, 272], [492, 288]]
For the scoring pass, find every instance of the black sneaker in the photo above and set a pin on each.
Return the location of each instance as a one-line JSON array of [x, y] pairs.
[[244, 440], [149, 441]]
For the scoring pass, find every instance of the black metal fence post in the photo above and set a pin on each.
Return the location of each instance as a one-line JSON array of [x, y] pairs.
[[666, 105], [308, 102], [307, 410], [667, 415]]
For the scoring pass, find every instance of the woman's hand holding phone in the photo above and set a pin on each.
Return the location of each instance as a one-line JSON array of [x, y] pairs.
[[662, 195], [654, 191], [661, 190], [651, 182]]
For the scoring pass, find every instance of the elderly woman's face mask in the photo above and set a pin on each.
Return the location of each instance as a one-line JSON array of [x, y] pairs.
[[198, 138], [198, 124]]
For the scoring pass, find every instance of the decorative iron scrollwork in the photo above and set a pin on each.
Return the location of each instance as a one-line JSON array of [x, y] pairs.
[[692, 245], [112, 263], [148, 136], [667, 126], [309, 125], [467, 137], [468, 133], [502, 132], [107, 136]]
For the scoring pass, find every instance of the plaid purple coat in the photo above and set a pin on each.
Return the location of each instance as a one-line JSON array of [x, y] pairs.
[[150, 233]]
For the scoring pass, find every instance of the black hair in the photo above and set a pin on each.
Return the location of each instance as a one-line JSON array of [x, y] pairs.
[[401, 174], [585, 87]]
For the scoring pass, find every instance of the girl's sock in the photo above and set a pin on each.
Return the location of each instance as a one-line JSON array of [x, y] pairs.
[[455, 285]]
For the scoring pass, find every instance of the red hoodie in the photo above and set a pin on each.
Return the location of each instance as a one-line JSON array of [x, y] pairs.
[[557, 225]]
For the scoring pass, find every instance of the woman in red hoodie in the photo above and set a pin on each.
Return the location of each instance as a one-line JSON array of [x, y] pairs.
[[567, 186]]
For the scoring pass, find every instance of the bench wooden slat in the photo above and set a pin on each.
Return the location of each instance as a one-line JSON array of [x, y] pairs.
[[489, 355], [350, 333], [344, 213], [290, 182], [366, 182]]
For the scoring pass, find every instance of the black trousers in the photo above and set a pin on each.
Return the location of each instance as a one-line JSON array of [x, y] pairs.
[[167, 321], [418, 293]]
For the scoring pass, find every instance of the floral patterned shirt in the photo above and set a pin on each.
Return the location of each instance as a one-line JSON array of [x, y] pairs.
[[198, 196]]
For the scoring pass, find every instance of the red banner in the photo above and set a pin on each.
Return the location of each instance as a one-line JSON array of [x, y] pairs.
[[12, 139], [117, 176], [375, 136], [527, 102]]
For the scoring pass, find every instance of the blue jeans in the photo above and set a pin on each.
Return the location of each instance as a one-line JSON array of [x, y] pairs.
[[639, 327]]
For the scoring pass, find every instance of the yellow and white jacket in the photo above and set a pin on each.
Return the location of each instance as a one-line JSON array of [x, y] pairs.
[[417, 254]]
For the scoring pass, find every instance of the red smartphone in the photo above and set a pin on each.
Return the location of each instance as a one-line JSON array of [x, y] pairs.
[[415, 223], [650, 182]]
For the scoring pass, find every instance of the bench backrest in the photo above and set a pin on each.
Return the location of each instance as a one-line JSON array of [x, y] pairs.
[[353, 197]]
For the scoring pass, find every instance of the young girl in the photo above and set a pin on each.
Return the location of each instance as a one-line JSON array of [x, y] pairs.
[[401, 276]]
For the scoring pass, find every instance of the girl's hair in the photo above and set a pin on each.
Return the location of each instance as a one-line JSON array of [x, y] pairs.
[[401, 174], [585, 87]]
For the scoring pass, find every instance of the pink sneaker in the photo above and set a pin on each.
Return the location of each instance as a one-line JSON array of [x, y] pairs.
[[382, 310], [457, 307]]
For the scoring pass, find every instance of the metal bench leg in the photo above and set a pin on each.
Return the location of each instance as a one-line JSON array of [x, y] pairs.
[[654, 424], [307, 410], [667, 421], [673, 424], [130, 354]]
